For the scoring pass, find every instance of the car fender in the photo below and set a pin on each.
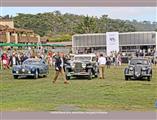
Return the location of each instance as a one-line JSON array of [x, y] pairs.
[[126, 70], [149, 71], [67, 67]]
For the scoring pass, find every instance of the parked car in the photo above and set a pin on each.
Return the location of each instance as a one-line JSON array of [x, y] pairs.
[[31, 67], [155, 58], [138, 68], [82, 65]]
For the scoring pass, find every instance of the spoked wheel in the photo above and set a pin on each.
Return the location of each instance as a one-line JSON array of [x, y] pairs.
[[67, 77], [96, 73], [126, 78], [148, 78], [36, 74], [89, 74], [16, 76], [66, 72]]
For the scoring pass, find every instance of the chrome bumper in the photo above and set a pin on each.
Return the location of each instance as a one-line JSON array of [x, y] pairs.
[[23, 74], [78, 74]]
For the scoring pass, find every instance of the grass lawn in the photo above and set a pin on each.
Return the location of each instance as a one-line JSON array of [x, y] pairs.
[[111, 94]]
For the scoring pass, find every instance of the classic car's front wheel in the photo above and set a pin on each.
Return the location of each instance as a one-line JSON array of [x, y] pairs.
[[89, 74], [148, 78], [96, 75], [66, 74], [16, 76], [126, 78], [36, 74], [67, 77]]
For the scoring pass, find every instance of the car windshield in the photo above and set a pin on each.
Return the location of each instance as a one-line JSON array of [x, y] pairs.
[[82, 58], [31, 62], [139, 61]]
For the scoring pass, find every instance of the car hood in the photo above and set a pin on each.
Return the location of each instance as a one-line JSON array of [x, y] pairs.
[[84, 62], [25, 66], [141, 66]]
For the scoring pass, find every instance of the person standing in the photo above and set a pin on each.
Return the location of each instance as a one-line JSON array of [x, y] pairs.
[[49, 58], [119, 59], [14, 60], [101, 62], [59, 64], [5, 60], [108, 61]]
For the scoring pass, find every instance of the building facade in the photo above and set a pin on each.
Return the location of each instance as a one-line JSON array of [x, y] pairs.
[[128, 42], [10, 34], [7, 22]]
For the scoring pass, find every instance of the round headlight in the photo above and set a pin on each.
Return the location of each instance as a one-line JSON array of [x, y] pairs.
[[131, 68], [73, 65], [144, 68], [83, 65]]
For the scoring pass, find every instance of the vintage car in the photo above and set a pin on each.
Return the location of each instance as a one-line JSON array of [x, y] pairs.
[[31, 67], [155, 58], [82, 65], [138, 68]]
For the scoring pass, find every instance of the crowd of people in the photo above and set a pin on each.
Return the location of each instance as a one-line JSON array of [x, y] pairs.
[[11, 57], [143, 52]]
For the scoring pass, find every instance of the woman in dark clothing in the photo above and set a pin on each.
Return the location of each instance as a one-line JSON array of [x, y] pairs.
[[108, 62]]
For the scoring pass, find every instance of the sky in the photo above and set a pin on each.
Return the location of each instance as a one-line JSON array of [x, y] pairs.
[[124, 13]]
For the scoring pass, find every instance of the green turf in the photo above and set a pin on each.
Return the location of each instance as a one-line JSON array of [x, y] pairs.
[[111, 94]]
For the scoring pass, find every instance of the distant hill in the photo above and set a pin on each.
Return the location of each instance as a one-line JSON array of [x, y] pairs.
[[54, 23], [143, 25]]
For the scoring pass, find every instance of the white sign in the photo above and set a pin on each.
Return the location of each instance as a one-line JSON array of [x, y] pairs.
[[112, 42]]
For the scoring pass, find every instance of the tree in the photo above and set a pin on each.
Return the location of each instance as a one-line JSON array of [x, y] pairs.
[[56, 23], [87, 25]]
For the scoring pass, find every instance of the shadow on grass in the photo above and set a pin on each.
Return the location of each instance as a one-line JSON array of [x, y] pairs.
[[82, 78], [28, 78], [140, 79]]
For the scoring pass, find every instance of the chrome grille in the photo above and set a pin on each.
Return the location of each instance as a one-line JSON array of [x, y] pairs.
[[78, 67], [137, 71]]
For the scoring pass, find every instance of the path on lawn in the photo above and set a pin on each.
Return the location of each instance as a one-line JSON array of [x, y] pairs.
[[67, 108]]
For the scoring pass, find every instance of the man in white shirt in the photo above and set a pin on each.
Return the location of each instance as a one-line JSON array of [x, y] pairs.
[[102, 63]]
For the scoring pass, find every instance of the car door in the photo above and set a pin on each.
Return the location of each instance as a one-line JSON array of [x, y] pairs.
[[45, 67]]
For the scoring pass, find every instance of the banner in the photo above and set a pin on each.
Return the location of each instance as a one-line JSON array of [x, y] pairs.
[[112, 42]]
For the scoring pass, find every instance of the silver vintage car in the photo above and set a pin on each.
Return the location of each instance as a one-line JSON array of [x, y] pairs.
[[82, 65], [138, 68]]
